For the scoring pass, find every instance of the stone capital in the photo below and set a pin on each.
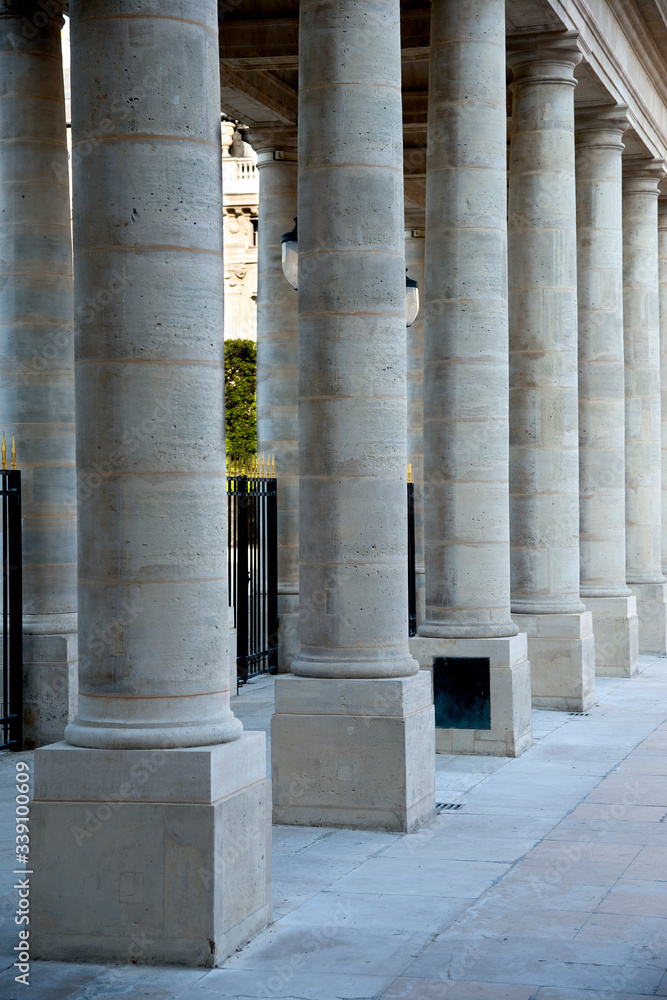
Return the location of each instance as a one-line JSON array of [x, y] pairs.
[[643, 174], [601, 125], [36, 13], [274, 139], [544, 57]]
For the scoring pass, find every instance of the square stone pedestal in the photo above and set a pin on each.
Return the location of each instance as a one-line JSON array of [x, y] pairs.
[[150, 856], [652, 613], [510, 729], [50, 687], [561, 650], [353, 753], [616, 629]]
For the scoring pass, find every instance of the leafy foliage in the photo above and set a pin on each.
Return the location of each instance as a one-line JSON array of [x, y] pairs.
[[241, 397]]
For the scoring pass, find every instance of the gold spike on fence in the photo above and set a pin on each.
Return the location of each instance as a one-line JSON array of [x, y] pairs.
[[3, 452], [14, 466], [410, 472], [262, 472], [273, 466]]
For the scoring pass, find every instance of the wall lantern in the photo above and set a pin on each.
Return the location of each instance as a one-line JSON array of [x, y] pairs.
[[290, 258], [411, 300], [290, 242]]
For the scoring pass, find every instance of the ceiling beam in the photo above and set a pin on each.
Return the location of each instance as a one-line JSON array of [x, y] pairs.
[[264, 88]]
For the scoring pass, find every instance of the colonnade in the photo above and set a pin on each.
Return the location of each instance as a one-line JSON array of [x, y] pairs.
[[575, 344], [540, 433]]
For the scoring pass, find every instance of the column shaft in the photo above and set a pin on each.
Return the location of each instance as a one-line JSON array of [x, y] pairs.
[[465, 350], [602, 389], [662, 277], [643, 496], [544, 474], [356, 685], [37, 354], [149, 380], [277, 391], [466, 376], [352, 347], [151, 826], [414, 261]]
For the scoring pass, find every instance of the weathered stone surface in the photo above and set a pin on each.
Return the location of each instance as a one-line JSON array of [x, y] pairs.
[[164, 854], [352, 345], [544, 459], [662, 278], [562, 656], [354, 753], [511, 731], [150, 378], [414, 261], [643, 496], [37, 351], [277, 388], [599, 146], [466, 456], [151, 826], [616, 628]]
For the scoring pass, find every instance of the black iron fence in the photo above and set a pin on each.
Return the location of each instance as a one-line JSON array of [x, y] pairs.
[[412, 571], [252, 564], [11, 708]]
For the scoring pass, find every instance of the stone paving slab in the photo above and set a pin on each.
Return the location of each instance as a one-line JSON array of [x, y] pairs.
[[549, 883]]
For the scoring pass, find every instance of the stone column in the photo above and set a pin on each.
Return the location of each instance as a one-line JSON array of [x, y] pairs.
[[37, 354], [352, 738], [414, 261], [480, 669], [602, 389], [643, 492], [662, 275], [153, 673], [277, 394], [544, 455]]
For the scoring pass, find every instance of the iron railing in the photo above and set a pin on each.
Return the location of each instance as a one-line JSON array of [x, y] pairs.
[[11, 705], [412, 571], [252, 565]]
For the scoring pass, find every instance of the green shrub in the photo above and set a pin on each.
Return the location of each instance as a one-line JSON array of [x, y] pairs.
[[241, 397]]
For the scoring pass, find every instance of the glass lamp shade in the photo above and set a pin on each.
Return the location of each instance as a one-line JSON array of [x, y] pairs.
[[411, 301], [291, 262], [290, 258]]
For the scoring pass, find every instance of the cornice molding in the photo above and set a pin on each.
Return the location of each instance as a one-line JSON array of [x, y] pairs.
[[628, 18]]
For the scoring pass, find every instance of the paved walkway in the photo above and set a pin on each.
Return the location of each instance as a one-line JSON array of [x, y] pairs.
[[548, 882]]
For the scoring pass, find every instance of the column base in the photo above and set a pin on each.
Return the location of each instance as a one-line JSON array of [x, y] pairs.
[[166, 862], [50, 687], [353, 753], [652, 613], [616, 628], [289, 644], [561, 649], [510, 729]]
